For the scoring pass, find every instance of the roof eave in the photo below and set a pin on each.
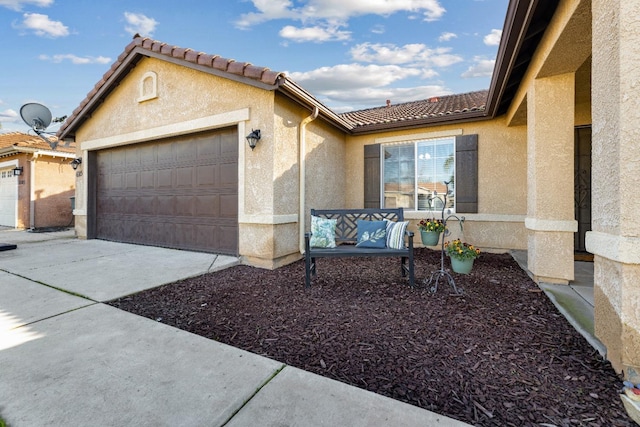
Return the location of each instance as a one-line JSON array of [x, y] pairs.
[[518, 17], [420, 123], [295, 92], [94, 100], [123, 66]]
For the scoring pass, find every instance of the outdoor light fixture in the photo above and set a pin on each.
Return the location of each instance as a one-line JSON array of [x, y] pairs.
[[253, 138], [75, 163], [17, 171]]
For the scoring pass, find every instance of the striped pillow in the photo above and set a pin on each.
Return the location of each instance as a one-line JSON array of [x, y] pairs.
[[395, 234]]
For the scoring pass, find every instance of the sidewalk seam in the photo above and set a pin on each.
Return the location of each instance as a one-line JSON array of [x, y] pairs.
[[55, 315], [50, 286], [246, 402]]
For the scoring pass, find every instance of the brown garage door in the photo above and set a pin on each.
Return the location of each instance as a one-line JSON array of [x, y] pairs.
[[178, 193]]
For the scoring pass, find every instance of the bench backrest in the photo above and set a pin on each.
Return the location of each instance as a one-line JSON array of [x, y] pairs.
[[347, 220]]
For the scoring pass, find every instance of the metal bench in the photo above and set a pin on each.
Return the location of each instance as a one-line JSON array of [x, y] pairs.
[[347, 236]]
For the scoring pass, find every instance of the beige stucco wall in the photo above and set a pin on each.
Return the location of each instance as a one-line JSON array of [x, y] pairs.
[[53, 185], [502, 180], [615, 238], [280, 242], [44, 191]]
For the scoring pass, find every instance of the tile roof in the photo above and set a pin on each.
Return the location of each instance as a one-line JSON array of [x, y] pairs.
[[247, 70], [24, 142], [447, 108], [450, 107]]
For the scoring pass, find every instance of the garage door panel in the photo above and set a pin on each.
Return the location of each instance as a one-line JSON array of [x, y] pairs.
[[206, 175], [147, 180], [228, 175], [184, 177], [229, 206], [180, 193], [132, 157], [131, 180], [165, 178], [166, 205], [208, 206], [185, 205]]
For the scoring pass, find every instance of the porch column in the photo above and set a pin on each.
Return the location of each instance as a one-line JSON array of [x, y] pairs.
[[615, 239], [550, 199]]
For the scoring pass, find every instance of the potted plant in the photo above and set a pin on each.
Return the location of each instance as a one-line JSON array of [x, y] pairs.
[[430, 230], [462, 255]]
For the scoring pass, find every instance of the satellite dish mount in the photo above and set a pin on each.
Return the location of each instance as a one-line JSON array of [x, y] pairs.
[[39, 118]]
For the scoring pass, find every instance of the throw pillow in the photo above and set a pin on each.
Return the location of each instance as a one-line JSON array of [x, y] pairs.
[[372, 234], [395, 234], [323, 232]]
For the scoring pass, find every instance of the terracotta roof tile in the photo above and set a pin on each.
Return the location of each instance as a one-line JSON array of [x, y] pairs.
[[19, 140], [244, 69], [441, 106], [192, 56], [409, 113]]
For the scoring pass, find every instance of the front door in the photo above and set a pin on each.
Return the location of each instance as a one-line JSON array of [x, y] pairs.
[[582, 183]]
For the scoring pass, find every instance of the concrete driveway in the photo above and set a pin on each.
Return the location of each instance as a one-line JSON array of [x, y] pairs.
[[68, 359]]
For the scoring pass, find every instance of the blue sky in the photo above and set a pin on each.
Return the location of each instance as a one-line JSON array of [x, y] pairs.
[[351, 54]]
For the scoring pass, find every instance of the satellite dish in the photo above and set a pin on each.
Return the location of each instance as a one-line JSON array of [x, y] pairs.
[[39, 118]]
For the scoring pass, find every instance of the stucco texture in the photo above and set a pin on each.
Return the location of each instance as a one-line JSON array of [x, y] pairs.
[[44, 190], [616, 132], [53, 187], [183, 94], [502, 180]]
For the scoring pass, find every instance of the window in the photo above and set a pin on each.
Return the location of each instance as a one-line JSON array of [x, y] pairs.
[[414, 173]]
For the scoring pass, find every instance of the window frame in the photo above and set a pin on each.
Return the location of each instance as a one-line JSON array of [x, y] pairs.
[[415, 144]]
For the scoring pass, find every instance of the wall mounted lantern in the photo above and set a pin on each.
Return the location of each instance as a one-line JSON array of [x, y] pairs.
[[253, 138], [75, 163], [17, 171]]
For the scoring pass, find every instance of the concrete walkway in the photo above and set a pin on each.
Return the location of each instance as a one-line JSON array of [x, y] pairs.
[[575, 301], [68, 359]]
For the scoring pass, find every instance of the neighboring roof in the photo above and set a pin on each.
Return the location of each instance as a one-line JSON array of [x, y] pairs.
[[418, 113], [525, 23], [18, 142]]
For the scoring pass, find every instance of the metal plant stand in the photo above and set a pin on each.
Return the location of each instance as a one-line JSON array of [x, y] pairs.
[[442, 274]]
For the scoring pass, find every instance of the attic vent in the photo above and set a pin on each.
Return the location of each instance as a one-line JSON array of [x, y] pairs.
[[148, 86], [433, 99]]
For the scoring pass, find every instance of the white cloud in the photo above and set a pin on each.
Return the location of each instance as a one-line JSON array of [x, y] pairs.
[[8, 115], [341, 100], [416, 54], [493, 38], [445, 37], [481, 68], [314, 34], [17, 5], [352, 77], [337, 10], [138, 23], [43, 26], [74, 59], [378, 29]]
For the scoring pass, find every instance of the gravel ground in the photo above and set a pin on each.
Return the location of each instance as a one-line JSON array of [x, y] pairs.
[[500, 355]]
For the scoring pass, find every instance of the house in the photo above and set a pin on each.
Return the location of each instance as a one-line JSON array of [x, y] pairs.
[[36, 182], [162, 138]]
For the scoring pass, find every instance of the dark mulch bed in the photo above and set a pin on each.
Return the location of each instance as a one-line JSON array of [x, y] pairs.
[[501, 355]]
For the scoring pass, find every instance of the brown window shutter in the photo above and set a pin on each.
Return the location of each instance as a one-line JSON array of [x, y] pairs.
[[372, 176], [467, 174]]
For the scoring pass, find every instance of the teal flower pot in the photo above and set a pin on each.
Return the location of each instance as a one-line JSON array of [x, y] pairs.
[[429, 238], [461, 266]]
